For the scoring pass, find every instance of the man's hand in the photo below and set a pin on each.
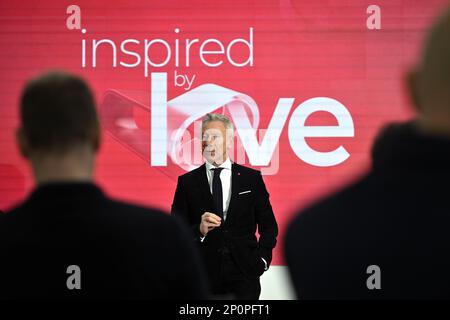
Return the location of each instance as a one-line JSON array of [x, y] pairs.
[[209, 222]]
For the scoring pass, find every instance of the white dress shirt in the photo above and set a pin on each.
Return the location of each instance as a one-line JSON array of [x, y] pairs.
[[225, 178]]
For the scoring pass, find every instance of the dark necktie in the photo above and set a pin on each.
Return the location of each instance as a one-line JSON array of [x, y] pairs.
[[217, 191]]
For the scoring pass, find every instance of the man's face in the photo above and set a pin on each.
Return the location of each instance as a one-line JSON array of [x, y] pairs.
[[214, 142]]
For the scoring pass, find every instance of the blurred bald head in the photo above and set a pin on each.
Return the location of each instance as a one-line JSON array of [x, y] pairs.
[[430, 81]]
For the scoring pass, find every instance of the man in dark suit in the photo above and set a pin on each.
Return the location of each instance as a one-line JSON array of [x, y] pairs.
[[386, 236], [68, 240], [224, 203]]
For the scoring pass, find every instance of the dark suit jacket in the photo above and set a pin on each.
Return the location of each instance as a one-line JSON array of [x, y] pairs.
[[396, 217], [123, 251], [245, 213]]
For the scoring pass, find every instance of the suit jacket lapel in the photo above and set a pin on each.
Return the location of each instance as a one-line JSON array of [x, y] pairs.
[[202, 182]]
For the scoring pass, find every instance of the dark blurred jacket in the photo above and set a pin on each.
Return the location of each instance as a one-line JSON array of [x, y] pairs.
[[396, 217], [123, 251]]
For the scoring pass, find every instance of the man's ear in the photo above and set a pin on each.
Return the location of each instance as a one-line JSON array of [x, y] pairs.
[[412, 81], [230, 143], [22, 143], [97, 138]]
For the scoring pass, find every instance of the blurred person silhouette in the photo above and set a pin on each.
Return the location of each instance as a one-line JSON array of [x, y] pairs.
[[68, 240], [386, 236]]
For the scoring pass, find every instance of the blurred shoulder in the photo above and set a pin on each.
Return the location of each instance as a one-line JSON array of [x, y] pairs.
[[327, 215]]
